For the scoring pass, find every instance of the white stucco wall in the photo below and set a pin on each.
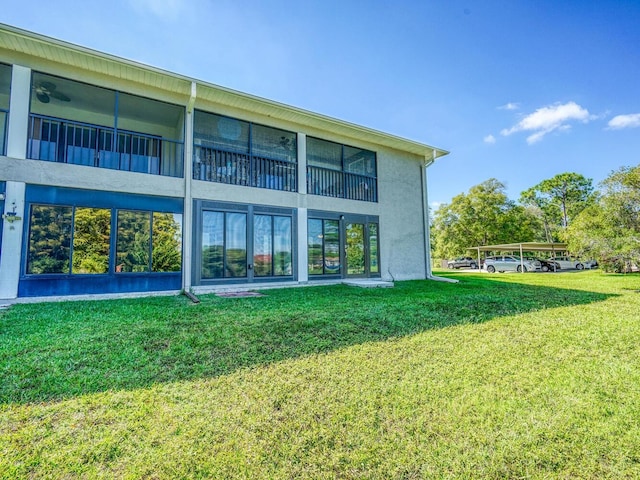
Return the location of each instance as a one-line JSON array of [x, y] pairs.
[[401, 216]]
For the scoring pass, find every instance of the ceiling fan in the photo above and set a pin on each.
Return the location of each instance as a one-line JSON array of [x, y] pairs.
[[45, 91]]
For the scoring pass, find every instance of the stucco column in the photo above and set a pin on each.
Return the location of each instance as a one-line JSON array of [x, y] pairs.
[[19, 112], [303, 251], [12, 239], [303, 271], [14, 202]]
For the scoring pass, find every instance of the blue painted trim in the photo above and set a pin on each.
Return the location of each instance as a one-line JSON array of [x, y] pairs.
[[91, 198]]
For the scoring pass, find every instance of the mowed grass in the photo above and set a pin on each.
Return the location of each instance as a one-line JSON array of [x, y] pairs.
[[499, 376]]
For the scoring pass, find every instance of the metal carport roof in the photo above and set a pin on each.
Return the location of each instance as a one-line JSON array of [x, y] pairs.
[[522, 247]]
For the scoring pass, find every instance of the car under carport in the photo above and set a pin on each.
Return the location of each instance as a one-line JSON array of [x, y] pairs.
[[554, 248]]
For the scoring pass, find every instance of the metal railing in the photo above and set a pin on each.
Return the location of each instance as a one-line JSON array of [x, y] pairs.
[[213, 165], [334, 183], [57, 140]]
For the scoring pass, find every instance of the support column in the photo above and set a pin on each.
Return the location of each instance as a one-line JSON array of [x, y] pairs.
[[19, 112], [302, 163], [14, 204], [303, 249], [12, 239]]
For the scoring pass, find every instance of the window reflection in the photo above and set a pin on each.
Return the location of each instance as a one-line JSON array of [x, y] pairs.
[[315, 247], [262, 245], [236, 245], [373, 248], [49, 239], [91, 235], [166, 242], [355, 249], [282, 239], [331, 246], [212, 244], [132, 244]]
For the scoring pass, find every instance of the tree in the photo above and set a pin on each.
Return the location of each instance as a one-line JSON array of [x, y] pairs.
[[484, 216], [556, 201], [609, 230]]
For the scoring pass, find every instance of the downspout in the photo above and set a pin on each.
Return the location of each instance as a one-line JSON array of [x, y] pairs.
[[187, 218], [427, 228]]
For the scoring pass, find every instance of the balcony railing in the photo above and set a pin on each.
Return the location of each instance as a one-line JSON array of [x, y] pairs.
[[63, 141], [334, 183], [221, 166]]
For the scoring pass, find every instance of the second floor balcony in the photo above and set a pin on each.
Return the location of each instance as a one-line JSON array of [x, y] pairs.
[[334, 183], [234, 168], [64, 141]]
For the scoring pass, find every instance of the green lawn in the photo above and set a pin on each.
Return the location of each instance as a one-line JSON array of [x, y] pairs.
[[498, 376]]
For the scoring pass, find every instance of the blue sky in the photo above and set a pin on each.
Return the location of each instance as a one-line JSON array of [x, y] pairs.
[[516, 90]]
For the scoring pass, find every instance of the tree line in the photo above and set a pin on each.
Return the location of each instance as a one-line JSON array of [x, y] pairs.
[[601, 223]]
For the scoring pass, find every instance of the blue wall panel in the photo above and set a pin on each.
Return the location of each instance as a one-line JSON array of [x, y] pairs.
[[40, 286]]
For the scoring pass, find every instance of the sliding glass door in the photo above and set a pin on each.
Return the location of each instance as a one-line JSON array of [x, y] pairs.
[[252, 244], [342, 246]]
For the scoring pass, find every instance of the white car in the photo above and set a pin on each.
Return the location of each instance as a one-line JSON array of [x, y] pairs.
[[568, 263], [509, 263]]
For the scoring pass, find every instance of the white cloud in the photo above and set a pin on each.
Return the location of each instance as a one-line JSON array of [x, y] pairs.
[[490, 139], [548, 119], [619, 122], [509, 106]]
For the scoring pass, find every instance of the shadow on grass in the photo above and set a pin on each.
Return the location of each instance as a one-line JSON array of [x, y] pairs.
[[60, 350]]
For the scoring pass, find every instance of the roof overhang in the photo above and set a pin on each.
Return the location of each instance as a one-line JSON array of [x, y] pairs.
[[50, 49], [524, 246]]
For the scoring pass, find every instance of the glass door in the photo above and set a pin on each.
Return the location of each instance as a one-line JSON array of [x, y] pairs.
[[355, 249]]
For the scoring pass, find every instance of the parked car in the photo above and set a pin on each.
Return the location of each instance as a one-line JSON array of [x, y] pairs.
[[568, 262], [462, 262], [547, 265], [508, 263]]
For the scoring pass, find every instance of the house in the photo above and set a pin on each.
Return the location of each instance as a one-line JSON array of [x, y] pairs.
[[119, 177]]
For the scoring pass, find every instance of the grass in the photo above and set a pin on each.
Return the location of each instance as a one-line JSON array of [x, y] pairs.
[[499, 376]]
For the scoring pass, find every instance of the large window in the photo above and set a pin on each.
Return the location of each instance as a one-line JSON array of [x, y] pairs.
[[5, 93], [77, 240], [228, 150], [73, 122], [245, 242], [335, 170]]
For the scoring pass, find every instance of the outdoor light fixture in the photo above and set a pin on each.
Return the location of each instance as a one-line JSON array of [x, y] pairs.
[[12, 216]]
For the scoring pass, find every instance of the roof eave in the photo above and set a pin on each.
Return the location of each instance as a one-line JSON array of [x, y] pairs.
[[41, 46]]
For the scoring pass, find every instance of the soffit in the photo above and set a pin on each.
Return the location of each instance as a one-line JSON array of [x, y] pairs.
[[46, 48]]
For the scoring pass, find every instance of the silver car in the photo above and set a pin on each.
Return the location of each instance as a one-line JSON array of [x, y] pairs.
[[569, 262], [509, 263]]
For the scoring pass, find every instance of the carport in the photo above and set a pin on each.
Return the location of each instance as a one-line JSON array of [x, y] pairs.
[[522, 247]]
